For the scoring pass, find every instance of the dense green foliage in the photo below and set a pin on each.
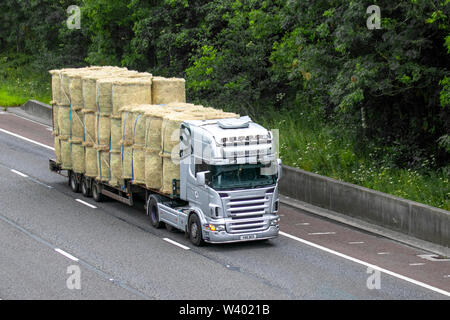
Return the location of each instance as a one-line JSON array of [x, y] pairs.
[[377, 101]]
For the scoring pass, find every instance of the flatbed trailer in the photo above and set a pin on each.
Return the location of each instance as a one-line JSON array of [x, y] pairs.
[[90, 187]]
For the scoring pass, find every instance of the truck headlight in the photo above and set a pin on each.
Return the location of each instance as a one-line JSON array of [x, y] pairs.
[[275, 222], [215, 227]]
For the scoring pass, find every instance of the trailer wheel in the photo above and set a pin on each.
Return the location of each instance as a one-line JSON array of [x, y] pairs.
[[195, 230], [73, 182], [96, 192], [153, 212], [85, 187]]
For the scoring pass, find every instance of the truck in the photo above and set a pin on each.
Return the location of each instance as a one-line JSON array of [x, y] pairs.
[[222, 196], [219, 184]]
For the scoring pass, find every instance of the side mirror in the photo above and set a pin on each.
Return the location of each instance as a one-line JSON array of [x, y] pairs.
[[280, 168], [202, 178]]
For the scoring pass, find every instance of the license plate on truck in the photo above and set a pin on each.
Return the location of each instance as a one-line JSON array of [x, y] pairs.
[[249, 237]]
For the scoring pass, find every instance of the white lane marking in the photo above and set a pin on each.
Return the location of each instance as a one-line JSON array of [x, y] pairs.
[[67, 255], [177, 244], [32, 179], [303, 224], [383, 253], [19, 173], [26, 139], [393, 274], [417, 264], [356, 242], [320, 233], [432, 257], [86, 204]]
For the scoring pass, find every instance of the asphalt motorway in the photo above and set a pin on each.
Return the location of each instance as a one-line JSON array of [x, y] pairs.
[[45, 230]]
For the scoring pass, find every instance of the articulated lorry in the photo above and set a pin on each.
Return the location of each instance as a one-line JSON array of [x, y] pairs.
[[210, 174]]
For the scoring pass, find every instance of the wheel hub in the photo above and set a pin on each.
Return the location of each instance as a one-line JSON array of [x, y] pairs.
[[194, 230]]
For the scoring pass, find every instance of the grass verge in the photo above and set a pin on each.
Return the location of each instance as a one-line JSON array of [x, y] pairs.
[[20, 81]]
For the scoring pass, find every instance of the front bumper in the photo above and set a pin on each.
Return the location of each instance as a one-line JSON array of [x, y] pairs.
[[225, 237]]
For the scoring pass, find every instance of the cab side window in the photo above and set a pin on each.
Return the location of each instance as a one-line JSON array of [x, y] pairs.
[[201, 167]]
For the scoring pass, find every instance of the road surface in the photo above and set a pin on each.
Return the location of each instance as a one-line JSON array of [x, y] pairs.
[[46, 229]]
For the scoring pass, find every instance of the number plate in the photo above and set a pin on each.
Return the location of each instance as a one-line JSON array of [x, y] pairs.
[[249, 237]]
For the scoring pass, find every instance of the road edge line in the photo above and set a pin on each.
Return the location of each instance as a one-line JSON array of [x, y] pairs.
[[369, 265]]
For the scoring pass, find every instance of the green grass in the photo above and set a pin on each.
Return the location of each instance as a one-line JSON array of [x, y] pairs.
[[20, 81], [9, 99], [309, 144]]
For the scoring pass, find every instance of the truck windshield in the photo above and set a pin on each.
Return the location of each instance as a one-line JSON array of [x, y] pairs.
[[243, 176]]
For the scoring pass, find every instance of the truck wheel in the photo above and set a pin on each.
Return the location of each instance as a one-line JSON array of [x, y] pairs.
[[195, 231], [96, 192], [85, 187], [153, 212], [73, 182]]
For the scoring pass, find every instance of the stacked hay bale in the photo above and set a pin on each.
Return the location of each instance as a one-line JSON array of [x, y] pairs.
[[133, 89], [62, 114], [138, 150], [72, 86], [93, 139], [167, 90], [153, 161], [106, 106], [56, 102], [170, 148], [127, 128]]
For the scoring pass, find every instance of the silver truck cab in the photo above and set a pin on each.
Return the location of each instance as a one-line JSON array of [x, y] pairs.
[[229, 175]]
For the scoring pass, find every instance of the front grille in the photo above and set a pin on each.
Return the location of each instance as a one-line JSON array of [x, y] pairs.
[[247, 214]]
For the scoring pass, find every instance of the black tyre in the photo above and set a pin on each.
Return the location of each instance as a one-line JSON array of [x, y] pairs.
[[153, 212], [195, 231], [96, 192], [74, 182], [85, 187]]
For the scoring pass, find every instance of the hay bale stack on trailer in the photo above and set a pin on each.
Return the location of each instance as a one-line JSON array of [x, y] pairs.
[[63, 87], [94, 140]]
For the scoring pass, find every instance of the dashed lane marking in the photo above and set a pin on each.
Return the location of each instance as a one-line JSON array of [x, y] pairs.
[[19, 173], [86, 204], [176, 244], [321, 233], [67, 255]]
